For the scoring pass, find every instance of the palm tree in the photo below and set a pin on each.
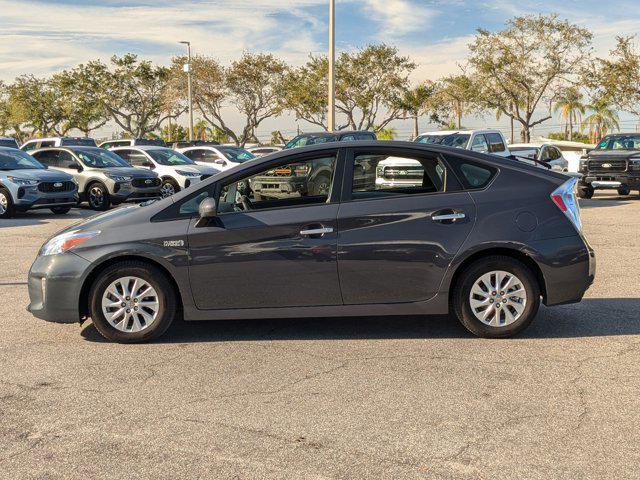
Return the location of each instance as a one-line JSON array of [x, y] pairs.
[[569, 104], [602, 119]]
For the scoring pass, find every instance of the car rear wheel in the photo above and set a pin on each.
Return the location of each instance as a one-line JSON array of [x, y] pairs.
[[585, 191], [496, 297], [168, 188], [623, 191], [60, 210], [98, 196], [132, 302], [7, 209], [321, 185]]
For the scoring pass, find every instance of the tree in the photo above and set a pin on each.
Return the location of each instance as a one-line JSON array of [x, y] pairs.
[[386, 133], [416, 101], [172, 132], [5, 114], [81, 111], [35, 104], [618, 76], [133, 92], [569, 104], [603, 118], [458, 91], [522, 67], [370, 84]]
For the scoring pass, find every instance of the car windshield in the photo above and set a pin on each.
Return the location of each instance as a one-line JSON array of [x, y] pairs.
[[100, 158], [620, 142], [458, 140], [18, 160], [236, 154], [166, 156]]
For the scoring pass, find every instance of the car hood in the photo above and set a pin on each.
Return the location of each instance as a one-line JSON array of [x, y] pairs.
[[39, 174], [202, 169], [614, 153], [129, 171]]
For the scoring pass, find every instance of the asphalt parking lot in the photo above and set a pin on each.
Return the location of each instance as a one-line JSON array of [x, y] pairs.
[[380, 398]]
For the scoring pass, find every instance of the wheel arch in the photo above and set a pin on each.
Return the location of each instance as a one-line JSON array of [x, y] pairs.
[[83, 300], [518, 255]]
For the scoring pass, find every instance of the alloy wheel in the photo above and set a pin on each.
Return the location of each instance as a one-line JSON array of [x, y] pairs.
[[167, 190], [96, 197], [498, 298], [4, 204], [130, 304]]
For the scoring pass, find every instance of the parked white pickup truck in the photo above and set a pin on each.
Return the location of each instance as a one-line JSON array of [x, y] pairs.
[[395, 171]]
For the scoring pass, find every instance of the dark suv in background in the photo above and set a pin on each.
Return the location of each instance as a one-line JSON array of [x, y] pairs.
[[315, 179], [614, 164]]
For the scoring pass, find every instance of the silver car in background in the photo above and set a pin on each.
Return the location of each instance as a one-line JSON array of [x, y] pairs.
[[26, 184]]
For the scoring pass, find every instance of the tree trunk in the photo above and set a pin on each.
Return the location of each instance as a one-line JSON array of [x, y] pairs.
[[459, 113], [415, 126], [571, 126], [512, 132]]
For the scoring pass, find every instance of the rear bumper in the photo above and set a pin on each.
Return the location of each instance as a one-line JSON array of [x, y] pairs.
[[55, 282], [568, 266]]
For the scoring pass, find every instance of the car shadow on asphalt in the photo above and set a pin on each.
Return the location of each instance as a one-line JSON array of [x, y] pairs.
[[594, 317], [599, 202], [42, 217]]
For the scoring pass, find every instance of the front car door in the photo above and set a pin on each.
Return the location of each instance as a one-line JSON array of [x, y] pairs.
[[398, 238], [273, 243]]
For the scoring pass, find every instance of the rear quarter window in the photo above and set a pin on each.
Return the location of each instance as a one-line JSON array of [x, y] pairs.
[[472, 175]]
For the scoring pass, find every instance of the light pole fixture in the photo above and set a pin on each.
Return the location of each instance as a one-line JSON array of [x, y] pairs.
[[187, 69], [331, 114]]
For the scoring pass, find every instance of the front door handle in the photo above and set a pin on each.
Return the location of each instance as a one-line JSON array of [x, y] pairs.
[[448, 217], [316, 231]]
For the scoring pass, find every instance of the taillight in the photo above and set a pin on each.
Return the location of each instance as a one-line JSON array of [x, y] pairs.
[[565, 199]]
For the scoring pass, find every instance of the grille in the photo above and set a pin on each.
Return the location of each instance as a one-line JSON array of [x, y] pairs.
[[142, 182], [400, 173], [606, 166], [48, 187]]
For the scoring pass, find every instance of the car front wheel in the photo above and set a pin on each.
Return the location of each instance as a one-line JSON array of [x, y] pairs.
[[98, 197], [7, 209], [496, 297], [132, 302], [168, 188], [585, 191]]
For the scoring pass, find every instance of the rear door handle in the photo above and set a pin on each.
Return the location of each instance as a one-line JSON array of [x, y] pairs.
[[316, 231], [448, 216]]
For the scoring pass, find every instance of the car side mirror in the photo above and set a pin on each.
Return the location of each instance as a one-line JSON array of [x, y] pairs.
[[207, 211], [219, 161]]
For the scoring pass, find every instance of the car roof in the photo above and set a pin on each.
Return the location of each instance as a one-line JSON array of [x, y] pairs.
[[452, 132], [333, 134], [144, 147]]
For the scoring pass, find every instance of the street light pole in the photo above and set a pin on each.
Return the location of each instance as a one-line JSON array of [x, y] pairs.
[[331, 117], [187, 68]]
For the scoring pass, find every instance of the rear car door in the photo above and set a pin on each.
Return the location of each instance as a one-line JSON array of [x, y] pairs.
[[397, 240], [273, 243]]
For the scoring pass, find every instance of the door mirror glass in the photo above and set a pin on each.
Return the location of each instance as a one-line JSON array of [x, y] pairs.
[[208, 208]]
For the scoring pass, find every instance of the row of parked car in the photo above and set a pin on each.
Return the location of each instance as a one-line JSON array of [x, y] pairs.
[[60, 172]]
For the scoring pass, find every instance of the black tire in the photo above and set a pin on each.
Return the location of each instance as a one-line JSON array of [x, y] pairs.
[[7, 208], [321, 185], [461, 296], [623, 191], [585, 191], [167, 301], [60, 210], [98, 196], [167, 184]]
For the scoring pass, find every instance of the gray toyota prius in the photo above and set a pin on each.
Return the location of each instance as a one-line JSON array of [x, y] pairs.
[[338, 229]]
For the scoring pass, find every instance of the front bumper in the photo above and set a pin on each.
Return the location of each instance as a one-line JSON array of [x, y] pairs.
[[279, 187], [55, 283], [30, 198], [612, 180], [125, 192]]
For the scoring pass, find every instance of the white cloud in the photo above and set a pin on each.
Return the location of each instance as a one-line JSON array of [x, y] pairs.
[[400, 17]]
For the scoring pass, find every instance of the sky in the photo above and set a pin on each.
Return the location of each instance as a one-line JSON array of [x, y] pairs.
[[44, 36]]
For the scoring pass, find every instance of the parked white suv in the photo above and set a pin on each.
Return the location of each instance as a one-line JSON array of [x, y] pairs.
[[174, 169], [541, 152], [221, 157], [36, 143]]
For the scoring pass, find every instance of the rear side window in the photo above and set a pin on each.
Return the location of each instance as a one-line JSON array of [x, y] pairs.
[[379, 175], [48, 158], [472, 175], [496, 143]]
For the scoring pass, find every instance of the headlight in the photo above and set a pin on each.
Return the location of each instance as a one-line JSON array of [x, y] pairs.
[[119, 178], [65, 241], [23, 181], [188, 174], [635, 162]]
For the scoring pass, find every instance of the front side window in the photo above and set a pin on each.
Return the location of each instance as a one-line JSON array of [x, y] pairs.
[[480, 144], [18, 160], [293, 184], [166, 156], [380, 175], [237, 154]]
